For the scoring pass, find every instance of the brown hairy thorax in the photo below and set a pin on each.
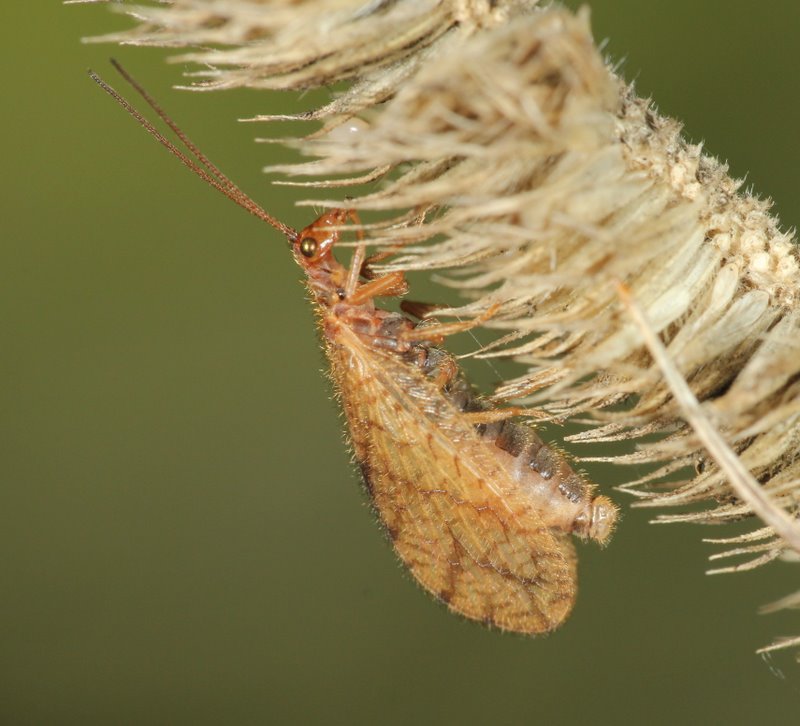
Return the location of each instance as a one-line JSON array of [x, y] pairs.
[[477, 507]]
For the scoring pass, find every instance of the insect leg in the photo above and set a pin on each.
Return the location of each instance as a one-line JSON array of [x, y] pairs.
[[358, 256], [389, 285], [437, 333], [418, 309], [493, 415]]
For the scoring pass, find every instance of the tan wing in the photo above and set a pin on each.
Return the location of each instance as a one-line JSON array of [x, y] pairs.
[[457, 518]]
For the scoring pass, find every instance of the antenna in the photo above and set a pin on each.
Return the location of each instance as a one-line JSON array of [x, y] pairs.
[[211, 174]]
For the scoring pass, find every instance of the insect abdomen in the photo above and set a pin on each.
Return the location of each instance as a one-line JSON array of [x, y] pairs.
[[566, 498]]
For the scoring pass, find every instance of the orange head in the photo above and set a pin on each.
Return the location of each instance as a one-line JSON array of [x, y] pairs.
[[313, 250]]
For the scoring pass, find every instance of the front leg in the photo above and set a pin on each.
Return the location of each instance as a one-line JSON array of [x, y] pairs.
[[393, 284]]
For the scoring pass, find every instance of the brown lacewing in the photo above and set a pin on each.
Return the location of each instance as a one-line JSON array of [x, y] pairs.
[[478, 508]]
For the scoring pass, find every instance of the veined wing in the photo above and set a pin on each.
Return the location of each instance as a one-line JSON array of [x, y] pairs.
[[457, 518]]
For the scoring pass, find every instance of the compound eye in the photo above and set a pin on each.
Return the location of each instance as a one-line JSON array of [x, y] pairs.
[[308, 247]]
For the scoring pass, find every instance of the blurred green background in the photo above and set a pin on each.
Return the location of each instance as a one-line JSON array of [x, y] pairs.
[[183, 538]]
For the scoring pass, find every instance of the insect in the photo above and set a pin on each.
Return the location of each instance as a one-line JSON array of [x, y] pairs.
[[478, 507]]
